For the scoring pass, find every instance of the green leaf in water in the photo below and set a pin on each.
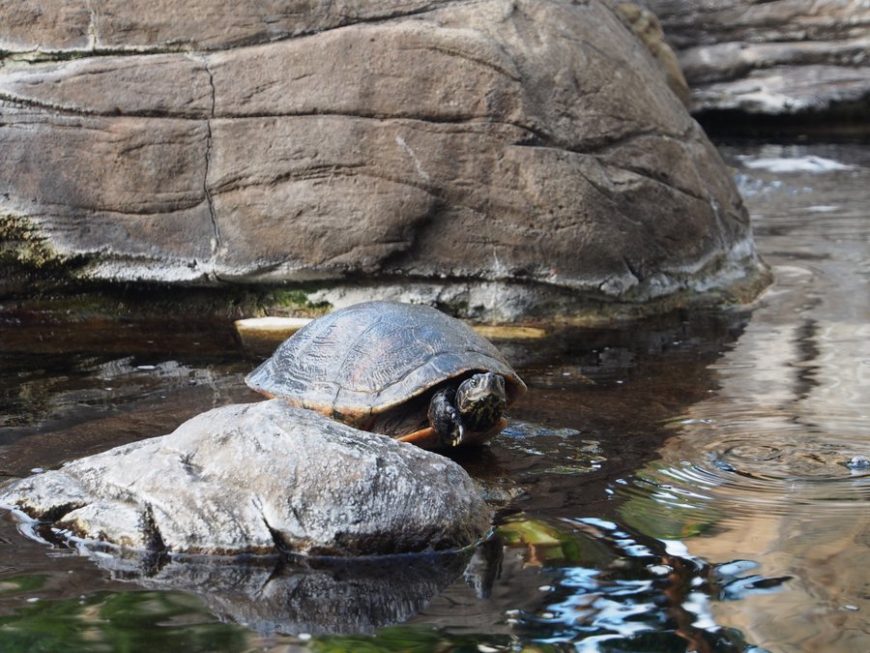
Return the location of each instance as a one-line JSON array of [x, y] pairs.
[[550, 544]]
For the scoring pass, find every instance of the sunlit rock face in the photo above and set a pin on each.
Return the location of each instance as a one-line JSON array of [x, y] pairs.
[[505, 156], [779, 57], [260, 478]]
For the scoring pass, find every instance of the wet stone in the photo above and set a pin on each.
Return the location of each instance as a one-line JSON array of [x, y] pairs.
[[260, 478]]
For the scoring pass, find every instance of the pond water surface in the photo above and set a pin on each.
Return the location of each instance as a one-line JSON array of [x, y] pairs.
[[695, 482]]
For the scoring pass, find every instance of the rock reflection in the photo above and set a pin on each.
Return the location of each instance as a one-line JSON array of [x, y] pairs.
[[314, 596]]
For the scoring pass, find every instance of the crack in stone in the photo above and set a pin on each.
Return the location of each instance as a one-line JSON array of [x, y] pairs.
[[156, 554], [646, 175], [280, 542], [632, 269], [428, 8], [59, 55], [318, 172], [216, 241], [54, 514], [453, 52], [606, 162], [154, 542], [84, 112]]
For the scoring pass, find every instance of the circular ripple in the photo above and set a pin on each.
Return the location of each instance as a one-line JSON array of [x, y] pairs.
[[736, 479], [753, 452], [807, 460]]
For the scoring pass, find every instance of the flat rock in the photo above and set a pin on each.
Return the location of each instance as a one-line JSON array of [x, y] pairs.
[[507, 157], [782, 57], [260, 478]]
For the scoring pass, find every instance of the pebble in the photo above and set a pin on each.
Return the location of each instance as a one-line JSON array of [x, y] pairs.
[[858, 463]]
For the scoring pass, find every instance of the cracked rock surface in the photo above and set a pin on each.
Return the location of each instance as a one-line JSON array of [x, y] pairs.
[[260, 478], [534, 145], [777, 57]]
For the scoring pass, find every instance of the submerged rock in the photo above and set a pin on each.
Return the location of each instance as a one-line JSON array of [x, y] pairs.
[[260, 478], [498, 157], [780, 57]]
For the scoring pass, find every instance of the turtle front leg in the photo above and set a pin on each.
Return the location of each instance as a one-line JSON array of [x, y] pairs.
[[445, 418]]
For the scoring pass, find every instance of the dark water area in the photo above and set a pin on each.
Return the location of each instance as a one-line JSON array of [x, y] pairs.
[[694, 482]]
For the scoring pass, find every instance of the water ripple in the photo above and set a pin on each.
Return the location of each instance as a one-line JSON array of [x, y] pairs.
[[739, 481]]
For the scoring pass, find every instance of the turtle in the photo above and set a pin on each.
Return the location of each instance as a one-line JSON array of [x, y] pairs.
[[404, 370]]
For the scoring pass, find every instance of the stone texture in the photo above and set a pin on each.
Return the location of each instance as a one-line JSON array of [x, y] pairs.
[[779, 57], [533, 145], [44, 25], [648, 29], [260, 478]]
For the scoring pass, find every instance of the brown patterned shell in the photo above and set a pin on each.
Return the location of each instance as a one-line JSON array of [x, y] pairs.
[[369, 358]]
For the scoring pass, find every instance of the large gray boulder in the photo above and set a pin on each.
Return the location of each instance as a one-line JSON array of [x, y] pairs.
[[499, 157], [260, 478], [779, 57]]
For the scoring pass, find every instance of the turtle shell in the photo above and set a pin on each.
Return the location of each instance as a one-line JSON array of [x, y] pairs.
[[369, 358]]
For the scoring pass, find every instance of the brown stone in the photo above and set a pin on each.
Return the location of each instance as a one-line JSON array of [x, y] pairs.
[[44, 24], [531, 145]]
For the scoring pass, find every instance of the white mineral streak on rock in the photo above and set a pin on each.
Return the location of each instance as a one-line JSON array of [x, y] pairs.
[[417, 165]]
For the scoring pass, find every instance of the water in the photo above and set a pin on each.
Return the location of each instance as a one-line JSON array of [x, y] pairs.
[[698, 481]]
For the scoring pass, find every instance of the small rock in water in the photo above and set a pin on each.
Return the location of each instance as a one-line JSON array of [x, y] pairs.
[[858, 463], [722, 465]]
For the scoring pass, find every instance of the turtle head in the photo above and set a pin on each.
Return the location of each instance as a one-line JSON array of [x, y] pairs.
[[481, 400]]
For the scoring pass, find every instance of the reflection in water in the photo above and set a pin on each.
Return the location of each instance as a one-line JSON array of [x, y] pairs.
[[588, 584], [306, 596], [71, 390], [660, 482], [770, 466], [597, 398]]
